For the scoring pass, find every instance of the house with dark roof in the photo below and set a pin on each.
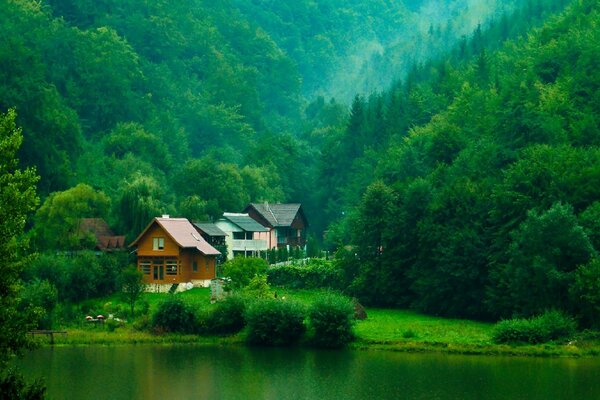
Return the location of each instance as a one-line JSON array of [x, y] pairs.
[[170, 250], [286, 223], [211, 233], [98, 231], [245, 237]]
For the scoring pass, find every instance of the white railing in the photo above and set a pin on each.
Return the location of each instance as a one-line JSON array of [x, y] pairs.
[[249, 245]]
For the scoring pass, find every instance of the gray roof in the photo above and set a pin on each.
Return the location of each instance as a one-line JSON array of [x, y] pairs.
[[245, 222], [278, 215], [209, 228]]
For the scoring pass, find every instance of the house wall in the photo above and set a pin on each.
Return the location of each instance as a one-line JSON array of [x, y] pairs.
[[205, 265], [172, 255], [228, 228], [145, 244]]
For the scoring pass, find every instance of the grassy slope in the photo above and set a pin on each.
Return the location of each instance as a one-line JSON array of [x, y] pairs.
[[397, 330]]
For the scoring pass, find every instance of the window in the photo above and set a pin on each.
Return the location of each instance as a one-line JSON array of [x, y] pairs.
[[281, 236], [195, 266], [158, 243], [207, 266], [239, 235], [145, 267], [171, 266]]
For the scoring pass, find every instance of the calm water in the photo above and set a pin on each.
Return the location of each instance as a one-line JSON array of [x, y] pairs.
[[155, 372]]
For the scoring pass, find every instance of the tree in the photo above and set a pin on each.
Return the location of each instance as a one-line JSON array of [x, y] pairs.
[[140, 202], [543, 257], [132, 286], [17, 199], [58, 221]]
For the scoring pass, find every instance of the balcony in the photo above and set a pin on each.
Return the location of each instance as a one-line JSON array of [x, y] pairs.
[[291, 241], [248, 245]]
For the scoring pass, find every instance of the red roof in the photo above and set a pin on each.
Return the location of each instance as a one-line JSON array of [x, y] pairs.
[[106, 240], [183, 233]]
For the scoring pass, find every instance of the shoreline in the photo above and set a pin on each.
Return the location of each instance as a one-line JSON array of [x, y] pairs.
[[76, 338]]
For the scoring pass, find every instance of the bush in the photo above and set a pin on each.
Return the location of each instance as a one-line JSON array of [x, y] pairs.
[[314, 275], [241, 270], [331, 318], [274, 322], [552, 325], [173, 315], [227, 316], [143, 323], [258, 288]]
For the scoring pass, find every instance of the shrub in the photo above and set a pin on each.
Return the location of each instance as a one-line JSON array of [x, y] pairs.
[[143, 323], [258, 287], [331, 317], [242, 269], [111, 324], [227, 316], [274, 322], [552, 325], [173, 315], [314, 275]]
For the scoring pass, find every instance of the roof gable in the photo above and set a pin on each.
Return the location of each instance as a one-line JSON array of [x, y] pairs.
[[183, 233], [278, 215]]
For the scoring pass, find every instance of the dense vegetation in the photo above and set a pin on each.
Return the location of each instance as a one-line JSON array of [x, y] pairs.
[[468, 188], [489, 209]]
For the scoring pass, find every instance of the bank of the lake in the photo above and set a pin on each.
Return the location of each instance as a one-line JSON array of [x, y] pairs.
[[383, 329]]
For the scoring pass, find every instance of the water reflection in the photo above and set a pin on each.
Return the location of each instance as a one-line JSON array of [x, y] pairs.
[[184, 372]]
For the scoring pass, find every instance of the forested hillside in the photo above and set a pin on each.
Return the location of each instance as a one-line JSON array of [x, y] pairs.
[[151, 103], [490, 209], [344, 47], [468, 187]]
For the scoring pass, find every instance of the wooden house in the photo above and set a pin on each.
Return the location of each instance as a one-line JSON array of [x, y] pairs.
[[286, 223], [170, 250]]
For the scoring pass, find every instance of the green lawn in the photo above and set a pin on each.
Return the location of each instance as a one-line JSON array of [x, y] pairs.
[[387, 329], [384, 325]]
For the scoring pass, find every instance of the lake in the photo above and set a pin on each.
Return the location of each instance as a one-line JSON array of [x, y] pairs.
[[194, 372]]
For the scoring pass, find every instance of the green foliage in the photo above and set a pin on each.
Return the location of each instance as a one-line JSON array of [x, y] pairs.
[[258, 287], [226, 317], [551, 325], [331, 317], [132, 286], [17, 199], [543, 256], [139, 202], [14, 386], [317, 273], [83, 276], [480, 203], [42, 295], [585, 293], [241, 270], [274, 322], [58, 220], [173, 315]]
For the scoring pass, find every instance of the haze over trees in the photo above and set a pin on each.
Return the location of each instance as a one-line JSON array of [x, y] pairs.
[[448, 149]]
